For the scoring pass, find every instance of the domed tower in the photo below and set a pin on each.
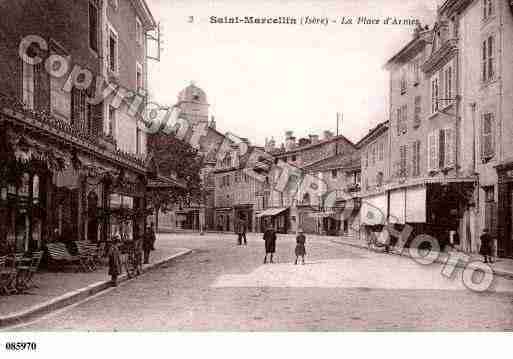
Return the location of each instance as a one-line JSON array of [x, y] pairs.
[[193, 102]]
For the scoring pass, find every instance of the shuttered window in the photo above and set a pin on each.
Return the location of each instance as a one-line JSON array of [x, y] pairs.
[[488, 59], [399, 119], [93, 25], [78, 108], [416, 158], [487, 136], [402, 161], [448, 147], [28, 84], [433, 148], [434, 95], [416, 114]]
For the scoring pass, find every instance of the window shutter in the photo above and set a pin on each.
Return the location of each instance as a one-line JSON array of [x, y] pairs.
[[414, 158], [399, 121], [487, 140], [483, 61], [449, 147], [433, 143]]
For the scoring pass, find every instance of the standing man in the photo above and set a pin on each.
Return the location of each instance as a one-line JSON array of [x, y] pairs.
[[148, 243], [242, 232], [270, 243]]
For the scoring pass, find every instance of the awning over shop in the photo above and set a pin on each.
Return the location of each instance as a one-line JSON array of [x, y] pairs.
[[325, 214], [271, 212], [398, 206], [374, 209], [416, 204]]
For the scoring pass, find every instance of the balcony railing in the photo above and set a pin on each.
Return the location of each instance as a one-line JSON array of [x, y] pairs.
[[77, 131]]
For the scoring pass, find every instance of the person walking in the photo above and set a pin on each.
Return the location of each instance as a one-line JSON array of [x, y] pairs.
[[486, 246], [300, 250], [242, 228], [115, 260], [270, 243], [148, 243]]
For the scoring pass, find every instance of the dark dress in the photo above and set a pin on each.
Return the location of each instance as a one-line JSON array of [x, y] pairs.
[[486, 245], [270, 241], [114, 260], [300, 245]]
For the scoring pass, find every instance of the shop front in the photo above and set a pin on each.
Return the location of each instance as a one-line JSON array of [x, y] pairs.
[[26, 167], [224, 219], [277, 218], [505, 211]]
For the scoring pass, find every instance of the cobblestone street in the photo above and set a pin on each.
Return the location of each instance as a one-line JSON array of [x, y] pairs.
[[222, 286]]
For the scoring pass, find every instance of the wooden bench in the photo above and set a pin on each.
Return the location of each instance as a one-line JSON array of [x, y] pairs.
[[28, 268], [90, 253], [7, 276], [59, 254]]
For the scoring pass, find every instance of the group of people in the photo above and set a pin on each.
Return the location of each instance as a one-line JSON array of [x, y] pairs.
[[144, 245], [270, 242], [270, 245]]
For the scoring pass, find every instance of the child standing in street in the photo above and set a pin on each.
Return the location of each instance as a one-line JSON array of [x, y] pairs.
[[300, 246]]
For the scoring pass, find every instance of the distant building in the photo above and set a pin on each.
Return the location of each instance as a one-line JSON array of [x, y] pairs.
[[240, 187]]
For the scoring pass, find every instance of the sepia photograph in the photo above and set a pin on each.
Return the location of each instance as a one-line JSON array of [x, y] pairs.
[[303, 167]]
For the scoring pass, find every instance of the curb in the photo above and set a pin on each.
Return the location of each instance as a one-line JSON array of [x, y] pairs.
[[497, 272], [76, 295]]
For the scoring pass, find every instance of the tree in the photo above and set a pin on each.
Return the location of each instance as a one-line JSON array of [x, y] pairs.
[[175, 157]]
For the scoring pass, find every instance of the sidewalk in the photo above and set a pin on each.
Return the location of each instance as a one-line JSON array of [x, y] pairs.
[[59, 289], [502, 266]]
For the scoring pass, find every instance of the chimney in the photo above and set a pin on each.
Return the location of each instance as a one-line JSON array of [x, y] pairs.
[[212, 122], [304, 142], [290, 140], [328, 135], [314, 138], [290, 143], [270, 145]]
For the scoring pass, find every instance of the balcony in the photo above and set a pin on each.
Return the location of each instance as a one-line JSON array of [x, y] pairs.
[[78, 135]]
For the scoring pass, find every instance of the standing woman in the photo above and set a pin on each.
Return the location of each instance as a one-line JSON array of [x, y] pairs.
[[114, 260], [300, 246], [270, 243]]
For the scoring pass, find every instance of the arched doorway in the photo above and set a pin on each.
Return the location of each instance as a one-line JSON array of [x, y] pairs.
[[92, 223]]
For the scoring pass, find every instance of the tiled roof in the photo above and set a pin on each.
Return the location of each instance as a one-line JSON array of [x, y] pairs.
[[344, 161]]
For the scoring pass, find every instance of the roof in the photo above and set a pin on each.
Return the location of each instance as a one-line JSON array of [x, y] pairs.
[[373, 133], [145, 14], [419, 40], [280, 152], [271, 212], [162, 182], [264, 161], [192, 93], [345, 161]]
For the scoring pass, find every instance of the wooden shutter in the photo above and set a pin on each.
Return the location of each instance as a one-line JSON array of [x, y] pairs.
[[399, 118], [487, 141], [483, 61], [433, 150], [449, 147], [414, 158], [416, 116]]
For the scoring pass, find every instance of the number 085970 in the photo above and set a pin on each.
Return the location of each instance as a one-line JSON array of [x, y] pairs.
[[20, 346]]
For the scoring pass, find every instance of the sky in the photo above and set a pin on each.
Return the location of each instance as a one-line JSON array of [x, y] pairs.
[[264, 79]]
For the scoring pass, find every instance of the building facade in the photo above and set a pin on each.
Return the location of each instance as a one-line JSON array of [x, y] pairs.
[[241, 188], [294, 203], [483, 34], [69, 166]]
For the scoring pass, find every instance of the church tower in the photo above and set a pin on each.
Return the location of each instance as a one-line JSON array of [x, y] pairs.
[[193, 104]]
